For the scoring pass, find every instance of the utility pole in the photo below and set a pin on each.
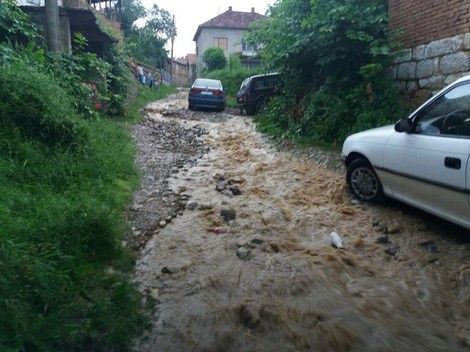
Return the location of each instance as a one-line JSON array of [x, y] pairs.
[[171, 62], [52, 25]]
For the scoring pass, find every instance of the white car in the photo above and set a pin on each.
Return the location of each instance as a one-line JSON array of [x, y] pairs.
[[422, 160]]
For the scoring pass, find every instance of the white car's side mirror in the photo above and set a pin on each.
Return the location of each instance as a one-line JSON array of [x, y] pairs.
[[404, 125]]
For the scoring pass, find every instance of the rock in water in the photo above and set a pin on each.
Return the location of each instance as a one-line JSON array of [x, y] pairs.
[[228, 214], [336, 240]]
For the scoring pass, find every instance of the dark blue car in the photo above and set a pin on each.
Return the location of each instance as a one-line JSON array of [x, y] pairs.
[[207, 93]]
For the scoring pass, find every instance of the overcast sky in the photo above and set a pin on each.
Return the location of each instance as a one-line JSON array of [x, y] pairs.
[[191, 13]]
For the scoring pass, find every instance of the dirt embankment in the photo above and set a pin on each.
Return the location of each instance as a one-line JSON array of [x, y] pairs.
[[234, 242]]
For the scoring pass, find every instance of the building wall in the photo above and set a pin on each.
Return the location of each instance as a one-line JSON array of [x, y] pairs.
[[38, 16], [435, 47], [180, 77], [424, 21], [206, 41]]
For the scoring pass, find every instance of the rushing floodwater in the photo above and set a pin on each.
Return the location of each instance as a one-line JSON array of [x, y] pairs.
[[293, 291]]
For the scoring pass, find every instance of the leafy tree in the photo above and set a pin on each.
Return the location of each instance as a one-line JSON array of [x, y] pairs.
[[14, 24], [214, 59], [319, 39], [161, 22], [147, 43], [131, 11], [146, 47], [333, 54]]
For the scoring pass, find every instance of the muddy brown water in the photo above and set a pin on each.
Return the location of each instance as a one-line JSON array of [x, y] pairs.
[[269, 280]]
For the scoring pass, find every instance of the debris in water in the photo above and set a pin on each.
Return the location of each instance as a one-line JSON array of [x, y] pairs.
[[221, 185], [391, 249], [383, 239], [433, 249], [235, 190], [218, 230], [228, 214], [243, 252], [336, 240], [426, 242], [192, 206]]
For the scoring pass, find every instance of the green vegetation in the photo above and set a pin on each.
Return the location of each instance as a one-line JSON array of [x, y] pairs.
[[214, 59], [146, 44], [333, 55], [232, 77], [146, 95], [66, 175]]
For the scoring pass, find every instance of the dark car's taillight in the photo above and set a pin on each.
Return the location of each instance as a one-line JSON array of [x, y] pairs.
[[245, 98], [219, 93], [195, 90]]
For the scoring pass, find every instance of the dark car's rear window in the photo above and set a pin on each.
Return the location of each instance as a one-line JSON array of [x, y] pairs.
[[207, 83], [245, 83]]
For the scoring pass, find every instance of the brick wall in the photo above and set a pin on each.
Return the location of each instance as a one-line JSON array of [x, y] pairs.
[[424, 21], [435, 45]]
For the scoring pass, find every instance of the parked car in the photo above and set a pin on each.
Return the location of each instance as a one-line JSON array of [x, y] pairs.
[[206, 93], [256, 91], [422, 160]]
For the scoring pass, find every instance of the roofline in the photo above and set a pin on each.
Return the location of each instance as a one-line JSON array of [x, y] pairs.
[[265, 74], [198, 32]]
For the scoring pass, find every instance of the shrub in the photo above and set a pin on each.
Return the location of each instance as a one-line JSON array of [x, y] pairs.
[[214, 59], [332, 55], [35, 107], [231, 79], [233, 76], [119, 80], [64, 183], [338, 109]]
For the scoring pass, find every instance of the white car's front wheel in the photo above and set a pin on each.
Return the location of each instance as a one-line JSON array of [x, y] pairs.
[[363, 181]]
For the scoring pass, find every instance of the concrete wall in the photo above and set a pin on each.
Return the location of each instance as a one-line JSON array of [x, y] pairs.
[[38, 16], [180, 77], [206, 41]]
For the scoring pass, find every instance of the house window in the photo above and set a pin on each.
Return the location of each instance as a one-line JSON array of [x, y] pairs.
[[248, 47], [221, 43]]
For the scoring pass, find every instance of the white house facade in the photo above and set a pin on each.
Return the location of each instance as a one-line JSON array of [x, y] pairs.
[[226, 32]]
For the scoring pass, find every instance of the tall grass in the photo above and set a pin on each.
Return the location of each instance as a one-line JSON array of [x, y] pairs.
[[64, 183], [146, 95]]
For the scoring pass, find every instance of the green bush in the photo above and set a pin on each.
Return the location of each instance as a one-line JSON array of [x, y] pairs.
[[15, 26], [35, 107], [277, 118], [64, 183], [214, 59], [337, 109], [332, 55], [119, 81], [233, 76], [231, 79]]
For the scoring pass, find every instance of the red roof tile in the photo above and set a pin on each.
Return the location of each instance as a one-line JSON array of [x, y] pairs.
[[192, 59], [230, 19]]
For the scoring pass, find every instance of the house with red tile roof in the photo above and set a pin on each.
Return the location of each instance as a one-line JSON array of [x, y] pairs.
[[226, 31]]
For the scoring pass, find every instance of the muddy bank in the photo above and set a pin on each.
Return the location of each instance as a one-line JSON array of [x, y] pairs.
[[244, 261]]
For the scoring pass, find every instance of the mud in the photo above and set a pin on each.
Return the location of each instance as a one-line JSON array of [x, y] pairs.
[[254, 269]]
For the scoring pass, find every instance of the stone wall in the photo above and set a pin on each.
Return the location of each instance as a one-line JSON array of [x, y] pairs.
[[425, 69]]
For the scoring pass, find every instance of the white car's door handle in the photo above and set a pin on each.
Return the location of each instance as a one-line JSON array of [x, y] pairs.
[[453, 163]]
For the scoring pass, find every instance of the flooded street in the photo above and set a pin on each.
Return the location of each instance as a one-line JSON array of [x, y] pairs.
[[243, 261]]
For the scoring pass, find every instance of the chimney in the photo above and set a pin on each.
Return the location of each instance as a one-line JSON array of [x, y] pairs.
[[230, 8], [252, 10]]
